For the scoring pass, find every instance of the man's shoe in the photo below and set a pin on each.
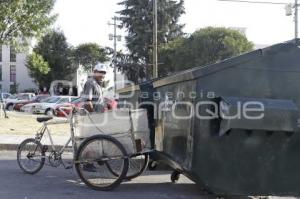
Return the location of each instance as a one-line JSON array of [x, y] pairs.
[[89, 168]]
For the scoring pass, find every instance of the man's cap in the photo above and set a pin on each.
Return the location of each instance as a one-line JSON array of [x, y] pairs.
[[100, 67]]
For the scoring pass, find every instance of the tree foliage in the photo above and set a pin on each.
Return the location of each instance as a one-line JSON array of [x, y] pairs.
[[89, 54], [137, 18], [205, 46], [14, 88], [38, 68], [54, 50], [21, 20], [133, 70]]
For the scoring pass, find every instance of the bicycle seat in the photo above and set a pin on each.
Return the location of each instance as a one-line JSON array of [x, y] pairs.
[[43, 119]]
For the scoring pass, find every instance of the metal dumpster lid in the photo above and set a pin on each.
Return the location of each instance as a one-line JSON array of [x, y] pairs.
[[227, 63], [212, 68], [136, 87], [128, 89]]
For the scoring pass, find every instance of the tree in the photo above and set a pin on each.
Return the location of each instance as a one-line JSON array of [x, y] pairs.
[[89, 54], [137, 18], [134, 70], [14, 88], [53, 49], [38, 68], [21, 20], [205, 46]]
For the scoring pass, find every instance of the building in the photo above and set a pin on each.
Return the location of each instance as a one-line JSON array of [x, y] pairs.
[[80, 77], [13, 71], [109, 90]]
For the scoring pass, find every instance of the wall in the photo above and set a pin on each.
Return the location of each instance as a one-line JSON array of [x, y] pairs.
[[22, 77]]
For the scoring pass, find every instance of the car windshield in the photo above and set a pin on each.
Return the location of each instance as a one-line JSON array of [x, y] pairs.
[[23, 97], [12, 97], [46, 99], [63, 100], [41, 98], [51, 100], [77, 100], [5, 95]]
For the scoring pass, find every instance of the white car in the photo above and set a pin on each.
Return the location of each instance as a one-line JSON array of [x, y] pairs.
[[10, 101], [4, 96], [48, 105]]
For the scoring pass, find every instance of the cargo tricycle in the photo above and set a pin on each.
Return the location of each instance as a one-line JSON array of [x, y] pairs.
[[107, 148]]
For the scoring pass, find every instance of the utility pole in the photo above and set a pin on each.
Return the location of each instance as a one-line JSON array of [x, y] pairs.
[[296, 19], [155, 59], [115, 38]]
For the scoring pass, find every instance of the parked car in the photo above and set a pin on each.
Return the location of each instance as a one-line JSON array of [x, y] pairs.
[[31, 106], [48, 105], [36, 99], [21, 97], [4, 96], [63, 110]]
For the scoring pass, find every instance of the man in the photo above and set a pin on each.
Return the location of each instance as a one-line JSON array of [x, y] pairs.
[[94, 101], [92, 90]]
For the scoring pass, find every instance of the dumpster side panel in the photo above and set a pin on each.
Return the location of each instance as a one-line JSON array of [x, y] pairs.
[[242, 161], [251, 162], [175, 111]]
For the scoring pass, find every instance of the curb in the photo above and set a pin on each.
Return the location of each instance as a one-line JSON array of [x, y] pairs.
[[9, 147], [14, 147]]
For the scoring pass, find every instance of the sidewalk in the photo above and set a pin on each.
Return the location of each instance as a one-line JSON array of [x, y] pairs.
[[11, 142]]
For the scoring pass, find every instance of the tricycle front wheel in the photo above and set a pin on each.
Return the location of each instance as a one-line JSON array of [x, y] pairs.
[[31, 156]]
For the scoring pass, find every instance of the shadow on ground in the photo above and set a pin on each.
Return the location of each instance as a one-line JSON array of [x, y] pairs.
[[59, 183]]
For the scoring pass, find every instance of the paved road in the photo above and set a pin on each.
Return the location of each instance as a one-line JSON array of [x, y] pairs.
[[64, 184], [59, 183]]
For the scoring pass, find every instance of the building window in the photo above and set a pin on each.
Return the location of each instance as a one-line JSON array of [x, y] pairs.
[[13, 56], [0, 73], [13, 73]]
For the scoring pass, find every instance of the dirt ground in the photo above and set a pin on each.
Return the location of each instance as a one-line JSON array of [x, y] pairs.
[[25, 124]]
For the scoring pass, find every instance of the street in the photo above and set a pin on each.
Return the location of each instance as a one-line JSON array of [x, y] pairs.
[[58, 183]]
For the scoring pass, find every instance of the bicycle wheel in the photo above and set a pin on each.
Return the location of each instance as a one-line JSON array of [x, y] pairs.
[[137, 165], [30, 156], [92, 157]]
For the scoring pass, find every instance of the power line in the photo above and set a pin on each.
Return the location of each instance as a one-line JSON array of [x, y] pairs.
[[256, 2]]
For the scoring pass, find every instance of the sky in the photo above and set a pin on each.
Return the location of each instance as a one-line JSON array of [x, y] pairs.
[[87, 20]]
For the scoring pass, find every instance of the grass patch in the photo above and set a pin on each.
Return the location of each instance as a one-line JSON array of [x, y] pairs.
[[25, 124]]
